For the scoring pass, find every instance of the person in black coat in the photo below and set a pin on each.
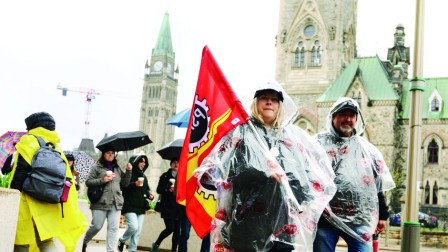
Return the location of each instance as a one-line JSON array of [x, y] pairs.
[[71, 163], [136, 197], [7, 167], [169, 210]]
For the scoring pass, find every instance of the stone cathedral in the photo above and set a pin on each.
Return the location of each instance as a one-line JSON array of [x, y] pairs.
[[317, 63]]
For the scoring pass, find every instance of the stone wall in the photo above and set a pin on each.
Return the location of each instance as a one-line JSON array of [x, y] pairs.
[[152, 226], [9, 207], [427, 238]]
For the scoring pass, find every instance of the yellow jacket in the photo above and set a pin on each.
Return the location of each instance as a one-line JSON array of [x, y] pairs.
[[46, 216]]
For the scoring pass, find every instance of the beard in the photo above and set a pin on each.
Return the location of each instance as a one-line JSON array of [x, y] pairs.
[[345, 131]]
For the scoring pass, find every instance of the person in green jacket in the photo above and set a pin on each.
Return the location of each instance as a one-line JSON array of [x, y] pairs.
[[136, 197]]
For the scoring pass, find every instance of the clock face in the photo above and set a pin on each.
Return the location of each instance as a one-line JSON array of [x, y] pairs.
[[158, 66]]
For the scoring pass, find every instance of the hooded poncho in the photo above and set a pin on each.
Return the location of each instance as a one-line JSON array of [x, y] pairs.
[[360, 174], [47, 217], [254, 210]]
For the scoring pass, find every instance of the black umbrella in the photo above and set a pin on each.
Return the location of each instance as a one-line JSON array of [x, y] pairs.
[[124, 141], [172, 150]]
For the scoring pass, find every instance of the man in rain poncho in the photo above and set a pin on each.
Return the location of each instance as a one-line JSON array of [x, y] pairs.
[[358, 210], [273, 180]]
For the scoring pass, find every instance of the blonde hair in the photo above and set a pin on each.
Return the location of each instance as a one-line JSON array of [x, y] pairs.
[[256, 115]]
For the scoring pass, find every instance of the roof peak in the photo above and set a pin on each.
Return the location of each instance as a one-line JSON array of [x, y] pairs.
[[164, 46]]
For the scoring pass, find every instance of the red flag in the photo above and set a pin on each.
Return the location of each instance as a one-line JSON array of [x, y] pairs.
[[215, 111]]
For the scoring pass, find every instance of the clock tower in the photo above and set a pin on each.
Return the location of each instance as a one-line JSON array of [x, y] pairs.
[[315, 42], [159, 98]]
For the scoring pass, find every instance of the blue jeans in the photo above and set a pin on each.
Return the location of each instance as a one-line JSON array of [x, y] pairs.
[[135, 223], [327, 237], [98, 218]]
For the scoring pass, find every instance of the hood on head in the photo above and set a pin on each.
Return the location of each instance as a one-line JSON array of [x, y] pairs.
[[271, 86], [289, 108], [40, 119], [135, 159], [70, 157], [346, 103]]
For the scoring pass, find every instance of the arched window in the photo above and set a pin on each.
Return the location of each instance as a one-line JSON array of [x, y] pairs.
[[313, 55], [296, 57], [427, 189], [357, 98], [435, 105], [299, 56], [433, 151], [302, 57], [316, 54], [435, 191], [306, 126], [319, 56]]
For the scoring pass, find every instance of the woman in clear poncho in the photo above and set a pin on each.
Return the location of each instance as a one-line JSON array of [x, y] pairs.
[[273, 180]]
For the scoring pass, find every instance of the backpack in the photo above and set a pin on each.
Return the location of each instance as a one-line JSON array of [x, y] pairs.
[[47, 181]]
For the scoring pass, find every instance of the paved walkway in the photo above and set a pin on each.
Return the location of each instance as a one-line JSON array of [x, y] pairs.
[[101, 247], [393, 245]]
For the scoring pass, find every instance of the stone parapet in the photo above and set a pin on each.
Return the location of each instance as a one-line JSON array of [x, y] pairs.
[[10, 202]]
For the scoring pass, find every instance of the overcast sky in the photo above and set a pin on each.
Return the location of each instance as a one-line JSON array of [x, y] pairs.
[[103, 45]]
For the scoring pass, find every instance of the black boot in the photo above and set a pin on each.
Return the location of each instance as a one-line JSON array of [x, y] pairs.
[[84, 246], [154, 247], [120, 246]]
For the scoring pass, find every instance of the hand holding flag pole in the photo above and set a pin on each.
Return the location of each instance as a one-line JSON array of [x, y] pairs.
[[215, 111], [278, 173]]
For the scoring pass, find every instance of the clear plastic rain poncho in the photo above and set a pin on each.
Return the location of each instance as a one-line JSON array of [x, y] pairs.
[[254, 210], [360, 174]]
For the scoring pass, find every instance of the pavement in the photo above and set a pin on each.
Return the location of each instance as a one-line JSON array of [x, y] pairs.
[[100, 246], [391, 245]]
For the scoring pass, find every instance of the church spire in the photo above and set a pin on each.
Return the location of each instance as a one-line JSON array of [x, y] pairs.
[[164, 46], [159, 95]]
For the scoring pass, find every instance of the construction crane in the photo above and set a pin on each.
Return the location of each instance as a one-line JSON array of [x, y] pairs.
[[90, 95]]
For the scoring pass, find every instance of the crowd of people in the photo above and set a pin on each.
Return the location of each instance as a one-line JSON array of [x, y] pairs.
[[279, 189]]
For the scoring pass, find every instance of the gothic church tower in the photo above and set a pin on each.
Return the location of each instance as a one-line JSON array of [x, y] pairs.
[[316, 39], [159, 96]]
